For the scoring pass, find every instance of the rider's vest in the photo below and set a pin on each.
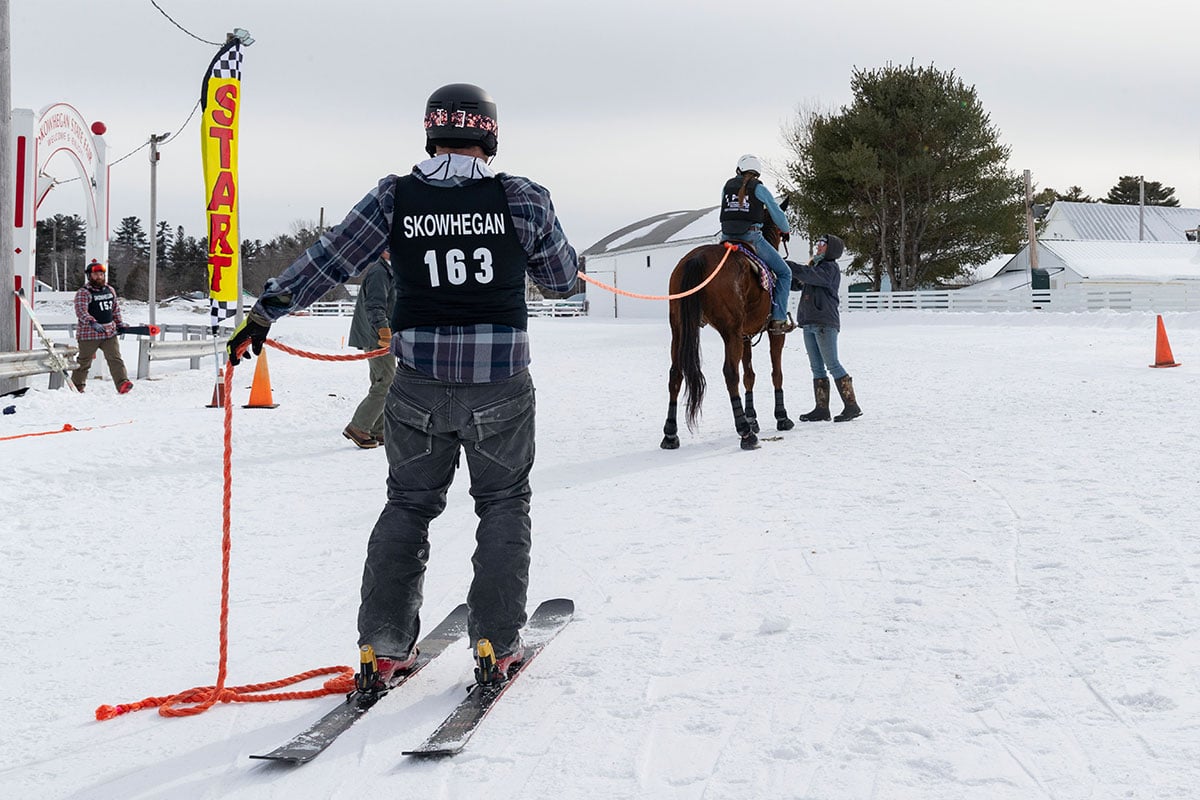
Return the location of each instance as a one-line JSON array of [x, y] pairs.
[[101, 304], [738, 215], [456, 258]]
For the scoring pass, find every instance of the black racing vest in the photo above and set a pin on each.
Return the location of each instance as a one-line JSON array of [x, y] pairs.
[[101, 305], [737, 217], [456, 257]]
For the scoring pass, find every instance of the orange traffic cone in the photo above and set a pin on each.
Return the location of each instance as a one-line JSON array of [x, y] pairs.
[[218, 398], [1162, 348], [260, 390]]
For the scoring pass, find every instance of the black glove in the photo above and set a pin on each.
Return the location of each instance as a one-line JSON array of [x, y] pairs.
[[251, 332]]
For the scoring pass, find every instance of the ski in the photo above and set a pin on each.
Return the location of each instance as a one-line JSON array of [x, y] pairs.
[[452, 735], [140, 330], [57, 361], [306, 746]]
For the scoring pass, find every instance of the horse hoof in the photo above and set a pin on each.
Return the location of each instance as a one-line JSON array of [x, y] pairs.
[[670, 443], [784, 424], [750, 442]]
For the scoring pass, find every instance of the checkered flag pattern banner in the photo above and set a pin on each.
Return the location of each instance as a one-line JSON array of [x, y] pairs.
[[219, 311], [228, 63], [221, 104]]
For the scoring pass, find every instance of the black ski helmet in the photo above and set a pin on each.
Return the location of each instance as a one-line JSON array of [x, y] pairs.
[[461, 114]]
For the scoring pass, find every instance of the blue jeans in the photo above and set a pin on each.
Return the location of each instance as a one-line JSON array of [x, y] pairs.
[[774, 262], [820, 342], [428, 425]]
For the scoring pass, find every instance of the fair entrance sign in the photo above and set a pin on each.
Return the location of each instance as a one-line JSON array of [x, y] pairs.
[[59, 132]]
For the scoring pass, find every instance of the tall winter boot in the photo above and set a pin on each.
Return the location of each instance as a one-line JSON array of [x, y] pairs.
[[845, 387], [820, 413]]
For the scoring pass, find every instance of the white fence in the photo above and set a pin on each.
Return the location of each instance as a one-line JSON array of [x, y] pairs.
[[537, 308], [1137, 297]]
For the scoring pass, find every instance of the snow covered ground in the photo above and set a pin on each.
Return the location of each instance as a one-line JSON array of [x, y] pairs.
[[986, 587]]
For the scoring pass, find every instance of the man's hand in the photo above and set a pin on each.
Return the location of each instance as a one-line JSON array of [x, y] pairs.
[[250, 334], [385, 337]]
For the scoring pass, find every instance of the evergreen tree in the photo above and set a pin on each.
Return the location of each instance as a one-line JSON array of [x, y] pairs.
[[1075, 195], [911, 175], [1128, 192], [129, 260], [189, 265], [61, 243], [163, 238]]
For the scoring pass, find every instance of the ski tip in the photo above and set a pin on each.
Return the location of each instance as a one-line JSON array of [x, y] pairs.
[[558, 606], [433, 753], [289, 760]]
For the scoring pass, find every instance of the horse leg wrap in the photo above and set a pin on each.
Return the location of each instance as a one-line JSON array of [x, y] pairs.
[[670, 429], [781, 416]]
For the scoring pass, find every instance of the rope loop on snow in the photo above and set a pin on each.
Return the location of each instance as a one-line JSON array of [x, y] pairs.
[[201, 698]]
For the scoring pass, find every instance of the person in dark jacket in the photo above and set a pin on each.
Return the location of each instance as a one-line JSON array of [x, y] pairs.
[[370, 330], [818, 315], [462, 240]]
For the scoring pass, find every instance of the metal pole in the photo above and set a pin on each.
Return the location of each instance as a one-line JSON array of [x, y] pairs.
[[143, 370], [1033, 259], [153, 277], [1141, 207], [54, 251]]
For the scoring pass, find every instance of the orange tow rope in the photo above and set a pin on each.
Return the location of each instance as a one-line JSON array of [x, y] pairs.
[[68, 428], [729, 248], [203, 698]]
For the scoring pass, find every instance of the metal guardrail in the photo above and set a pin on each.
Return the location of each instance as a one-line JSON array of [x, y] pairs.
[[24, 363], [195, 342]]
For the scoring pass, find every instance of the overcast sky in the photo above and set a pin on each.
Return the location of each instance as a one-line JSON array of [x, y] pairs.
[[622, 109]]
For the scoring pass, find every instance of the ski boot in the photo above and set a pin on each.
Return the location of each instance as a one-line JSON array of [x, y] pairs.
[[492, 671], [376, 673]]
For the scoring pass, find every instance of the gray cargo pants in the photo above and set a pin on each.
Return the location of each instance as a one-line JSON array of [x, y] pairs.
[[426, 424]]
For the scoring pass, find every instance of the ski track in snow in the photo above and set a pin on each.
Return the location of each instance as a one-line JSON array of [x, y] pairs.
[[983, 588]]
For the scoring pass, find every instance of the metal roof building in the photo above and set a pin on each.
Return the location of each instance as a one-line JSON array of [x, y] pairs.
[[1098, 243], [1112, 222]]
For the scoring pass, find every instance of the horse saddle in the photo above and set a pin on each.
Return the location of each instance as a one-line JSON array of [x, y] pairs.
[[765, 276]]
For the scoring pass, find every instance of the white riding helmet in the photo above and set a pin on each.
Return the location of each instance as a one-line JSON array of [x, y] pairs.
[[749, 163]]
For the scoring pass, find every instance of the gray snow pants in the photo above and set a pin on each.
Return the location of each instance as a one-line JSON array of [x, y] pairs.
[[427, 422]]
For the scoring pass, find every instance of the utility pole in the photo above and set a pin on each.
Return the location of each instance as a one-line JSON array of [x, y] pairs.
[[1032, 230], [1141, 207], [155, 140]]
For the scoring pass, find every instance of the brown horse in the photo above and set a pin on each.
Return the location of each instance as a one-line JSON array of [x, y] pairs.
[[738, 308]]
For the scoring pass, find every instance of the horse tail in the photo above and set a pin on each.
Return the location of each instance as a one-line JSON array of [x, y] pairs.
[[693, 272]]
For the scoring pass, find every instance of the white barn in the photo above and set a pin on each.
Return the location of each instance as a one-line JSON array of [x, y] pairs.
[[639, 258]]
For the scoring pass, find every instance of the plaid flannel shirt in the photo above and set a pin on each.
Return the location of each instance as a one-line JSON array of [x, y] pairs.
[[453, 353], [88, 328]]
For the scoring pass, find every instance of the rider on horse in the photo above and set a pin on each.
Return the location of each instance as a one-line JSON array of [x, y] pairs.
[[745, 202]]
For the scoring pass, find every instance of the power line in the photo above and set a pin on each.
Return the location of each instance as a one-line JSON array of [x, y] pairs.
[[185, 30], [145, 144]]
